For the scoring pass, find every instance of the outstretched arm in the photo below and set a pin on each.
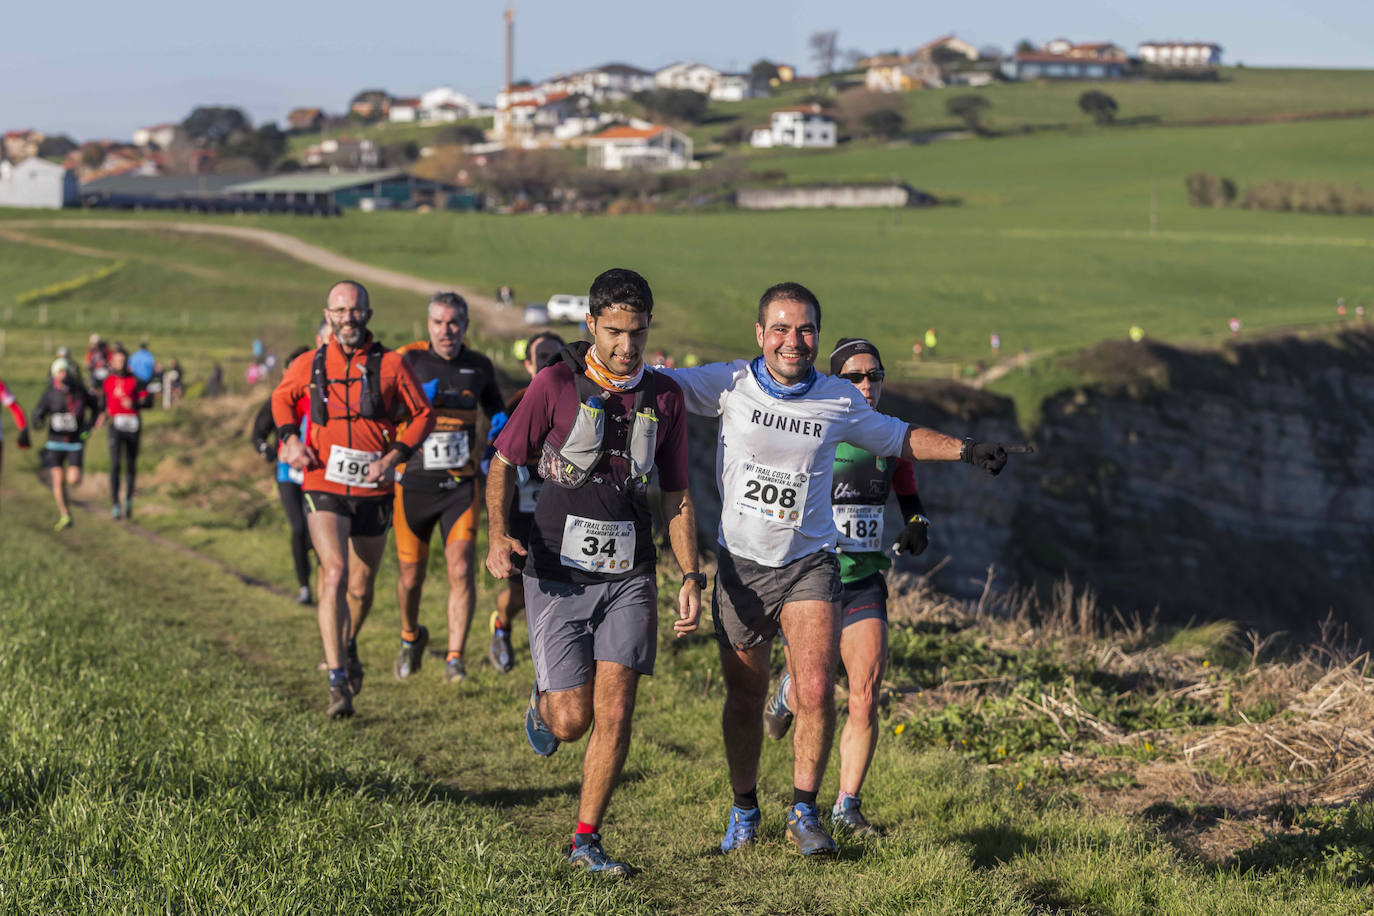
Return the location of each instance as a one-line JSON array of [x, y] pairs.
[[500, 545]]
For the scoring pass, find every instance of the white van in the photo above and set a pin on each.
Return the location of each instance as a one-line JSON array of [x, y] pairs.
[[565, 307]]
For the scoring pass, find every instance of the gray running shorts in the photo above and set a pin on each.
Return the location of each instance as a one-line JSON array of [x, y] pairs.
[[573, 626], [748, 598]]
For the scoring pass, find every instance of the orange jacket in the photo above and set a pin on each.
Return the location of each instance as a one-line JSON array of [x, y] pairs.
[[401, 395]]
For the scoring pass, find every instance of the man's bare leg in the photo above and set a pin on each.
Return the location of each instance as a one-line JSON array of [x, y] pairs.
[[58, 480], [329, 533], [745, 672], [364, 559], [614, 697], [462, 592], [812, 629], [410, 582]]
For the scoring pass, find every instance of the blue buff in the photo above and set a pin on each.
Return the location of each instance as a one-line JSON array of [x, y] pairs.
[[498, 422], [775, 388]]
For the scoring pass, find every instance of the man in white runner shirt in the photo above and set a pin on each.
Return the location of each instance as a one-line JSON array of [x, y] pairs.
[[780, 423]]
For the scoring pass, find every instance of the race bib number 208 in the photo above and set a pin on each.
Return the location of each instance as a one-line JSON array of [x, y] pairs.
[[772, 493]]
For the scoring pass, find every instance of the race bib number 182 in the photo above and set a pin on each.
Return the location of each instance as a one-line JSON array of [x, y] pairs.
[[859, 529], [772, 493], [349, 466], [592, 545]]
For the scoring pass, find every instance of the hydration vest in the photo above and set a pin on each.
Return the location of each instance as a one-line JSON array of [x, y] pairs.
[[371, 405], [570, 465]]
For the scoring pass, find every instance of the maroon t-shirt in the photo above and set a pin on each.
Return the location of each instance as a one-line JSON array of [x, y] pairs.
[[547, 411]]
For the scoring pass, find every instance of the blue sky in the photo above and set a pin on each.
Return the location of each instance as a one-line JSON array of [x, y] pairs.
[[103, 69]]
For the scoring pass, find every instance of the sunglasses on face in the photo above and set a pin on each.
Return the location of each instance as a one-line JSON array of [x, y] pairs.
[[873, 375]]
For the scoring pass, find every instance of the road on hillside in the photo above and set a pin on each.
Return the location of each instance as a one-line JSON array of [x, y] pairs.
[[494, 320]]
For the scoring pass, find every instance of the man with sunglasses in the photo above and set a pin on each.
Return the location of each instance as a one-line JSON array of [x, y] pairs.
[[780, 424], [862, 484]]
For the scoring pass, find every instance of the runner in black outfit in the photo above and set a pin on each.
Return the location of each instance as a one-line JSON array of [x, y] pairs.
[[289, 482]]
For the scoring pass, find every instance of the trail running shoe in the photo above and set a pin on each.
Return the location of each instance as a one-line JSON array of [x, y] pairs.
[[355, 676], [501, 655], [804, 829], [63, 523], [303, 595], [846, 814], [455, 672], [742, 828], [115, 512], [128, 509], [777, 717], [587, 853], [340, 702], [412, 654], [539, 735]]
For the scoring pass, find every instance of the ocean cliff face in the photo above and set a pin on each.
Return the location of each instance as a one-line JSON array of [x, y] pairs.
[[1235, 483]]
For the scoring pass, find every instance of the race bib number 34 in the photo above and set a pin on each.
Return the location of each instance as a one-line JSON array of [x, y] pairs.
[[349, 466], [596, 546], [859, 528], [446, 451], [772, 493]]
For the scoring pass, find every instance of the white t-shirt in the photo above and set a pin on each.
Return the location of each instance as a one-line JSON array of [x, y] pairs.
[[775, 457]]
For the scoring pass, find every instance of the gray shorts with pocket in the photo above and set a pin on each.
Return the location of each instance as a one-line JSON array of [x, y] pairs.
[[748, 598], [574, 626]]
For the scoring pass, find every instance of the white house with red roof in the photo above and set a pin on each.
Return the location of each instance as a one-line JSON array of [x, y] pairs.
[[651, 147], [1183, 54], [159, 135], [798, 126]]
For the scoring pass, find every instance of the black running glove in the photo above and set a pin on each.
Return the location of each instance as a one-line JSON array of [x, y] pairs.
[[914, 538], [267, 453], [990, 456], [24, 438]]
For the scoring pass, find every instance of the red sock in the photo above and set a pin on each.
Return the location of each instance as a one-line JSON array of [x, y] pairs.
[[585, 828]]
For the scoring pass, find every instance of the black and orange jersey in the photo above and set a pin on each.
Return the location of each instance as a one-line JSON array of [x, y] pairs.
[[457, 388]]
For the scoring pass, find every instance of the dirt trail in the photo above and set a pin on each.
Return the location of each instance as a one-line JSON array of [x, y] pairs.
[[494, 320]]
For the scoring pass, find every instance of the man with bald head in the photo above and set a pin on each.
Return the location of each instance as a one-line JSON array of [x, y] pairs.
[[356, 387]]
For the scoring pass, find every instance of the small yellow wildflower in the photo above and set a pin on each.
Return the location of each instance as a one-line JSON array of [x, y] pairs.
[[1002, 751], [1020, 784], [1205, 663], [901, 727]]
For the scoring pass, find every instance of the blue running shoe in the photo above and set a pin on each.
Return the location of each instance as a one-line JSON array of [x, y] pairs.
[[587, 853], [540, 736], [777, 716], [741, 830], [804, 829], [846, 814]]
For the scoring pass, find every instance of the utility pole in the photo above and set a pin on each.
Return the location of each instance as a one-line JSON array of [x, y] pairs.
[[510, 69]]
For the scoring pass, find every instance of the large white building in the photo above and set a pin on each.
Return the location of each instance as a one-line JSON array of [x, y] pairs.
[[654, 148], [441, 105], [607, 83], [801, 126], [736, 87], [687, 74], [160, 134], [37, 184], [1180, 53]]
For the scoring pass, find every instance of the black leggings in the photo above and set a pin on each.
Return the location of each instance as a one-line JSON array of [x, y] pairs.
[[122, 444], [293, 501]]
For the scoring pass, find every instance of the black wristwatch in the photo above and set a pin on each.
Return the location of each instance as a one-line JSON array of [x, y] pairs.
[[698, 578]]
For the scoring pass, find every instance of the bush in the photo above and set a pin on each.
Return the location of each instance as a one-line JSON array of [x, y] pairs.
[[863, 113], [675, 104], [969, 109], [460, 135], [1309, 197], [1099, 106], [1206, 190]]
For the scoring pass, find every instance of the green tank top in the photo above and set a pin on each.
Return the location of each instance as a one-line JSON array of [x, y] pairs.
[[858, 499]]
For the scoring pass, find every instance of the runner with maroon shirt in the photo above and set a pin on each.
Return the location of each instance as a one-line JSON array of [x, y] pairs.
[[124, 395], [541, 351], [598, 422]]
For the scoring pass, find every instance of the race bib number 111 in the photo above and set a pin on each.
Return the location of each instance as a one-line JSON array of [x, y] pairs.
[[772, 493]]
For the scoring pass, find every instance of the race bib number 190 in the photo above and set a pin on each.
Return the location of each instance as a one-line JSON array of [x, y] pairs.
[[859, 528], [349, 466], [446, 451], [772, 493], [592, 545]]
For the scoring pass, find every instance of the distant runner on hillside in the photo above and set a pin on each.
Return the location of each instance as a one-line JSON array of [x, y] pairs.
[[123, 397], [349, 453], [66, 411], [8, 400]]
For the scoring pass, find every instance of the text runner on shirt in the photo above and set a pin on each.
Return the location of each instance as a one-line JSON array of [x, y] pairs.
[[780, 424]]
